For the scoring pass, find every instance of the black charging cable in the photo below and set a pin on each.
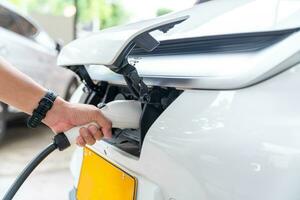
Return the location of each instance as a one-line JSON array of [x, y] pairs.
[[60, 142]]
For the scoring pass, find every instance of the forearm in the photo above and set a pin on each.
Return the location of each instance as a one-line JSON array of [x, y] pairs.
[[22, 92], [17, 89]]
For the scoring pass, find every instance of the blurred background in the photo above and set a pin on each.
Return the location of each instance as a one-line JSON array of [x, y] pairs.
[[58, 17], [32, 32]]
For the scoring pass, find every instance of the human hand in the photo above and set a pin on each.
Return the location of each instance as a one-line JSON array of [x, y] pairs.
[[64, 116]]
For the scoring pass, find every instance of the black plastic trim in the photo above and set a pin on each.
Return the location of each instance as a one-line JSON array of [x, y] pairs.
[[128, 49], [235, 43]]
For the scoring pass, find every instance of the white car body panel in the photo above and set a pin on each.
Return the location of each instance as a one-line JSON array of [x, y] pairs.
[[220, 17], [234, 131], [225, 148]]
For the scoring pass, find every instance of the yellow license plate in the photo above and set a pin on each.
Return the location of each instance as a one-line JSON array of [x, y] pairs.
[[101, 180]]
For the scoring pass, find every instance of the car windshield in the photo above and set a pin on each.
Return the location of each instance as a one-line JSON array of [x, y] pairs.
[[13, 22]]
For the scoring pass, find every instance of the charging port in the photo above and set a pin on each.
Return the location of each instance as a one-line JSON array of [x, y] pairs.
[[130, 140]]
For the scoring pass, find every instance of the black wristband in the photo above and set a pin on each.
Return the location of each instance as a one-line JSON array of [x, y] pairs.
[[40, 112]]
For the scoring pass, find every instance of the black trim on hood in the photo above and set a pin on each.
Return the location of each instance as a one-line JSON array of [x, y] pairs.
[[230, 43]]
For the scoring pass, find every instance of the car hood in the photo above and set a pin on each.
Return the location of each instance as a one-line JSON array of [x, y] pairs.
[[220, 17]]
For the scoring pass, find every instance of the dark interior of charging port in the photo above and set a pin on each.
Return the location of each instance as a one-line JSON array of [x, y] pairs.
[[130, 140]]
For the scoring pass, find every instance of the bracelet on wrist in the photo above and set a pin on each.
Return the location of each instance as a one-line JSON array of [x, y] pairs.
[[39, 113]]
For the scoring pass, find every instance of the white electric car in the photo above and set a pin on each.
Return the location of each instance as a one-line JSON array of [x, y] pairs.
[[219, 98]]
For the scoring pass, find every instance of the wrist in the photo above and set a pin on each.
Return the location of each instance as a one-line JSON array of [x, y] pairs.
[[58, 111]]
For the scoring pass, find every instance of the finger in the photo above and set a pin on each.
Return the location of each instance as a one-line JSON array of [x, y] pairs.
[[105, 124], [80, 141], [96, 132], [87, 137]]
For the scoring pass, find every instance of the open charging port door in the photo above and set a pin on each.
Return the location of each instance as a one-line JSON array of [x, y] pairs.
[[111, 48]]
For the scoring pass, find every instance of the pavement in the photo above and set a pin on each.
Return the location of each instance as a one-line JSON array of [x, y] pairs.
[[51, 179]]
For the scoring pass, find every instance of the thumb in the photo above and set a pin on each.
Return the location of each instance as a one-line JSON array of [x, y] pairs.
[[104, 123]]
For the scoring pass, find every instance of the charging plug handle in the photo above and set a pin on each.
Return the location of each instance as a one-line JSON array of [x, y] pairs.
[[61, 141]]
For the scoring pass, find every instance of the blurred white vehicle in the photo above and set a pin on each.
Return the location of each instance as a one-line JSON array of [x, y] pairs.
[[28, 47], [222, 121]]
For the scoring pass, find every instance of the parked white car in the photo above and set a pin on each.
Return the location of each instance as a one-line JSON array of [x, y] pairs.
[[28, 47], [220, 113]]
